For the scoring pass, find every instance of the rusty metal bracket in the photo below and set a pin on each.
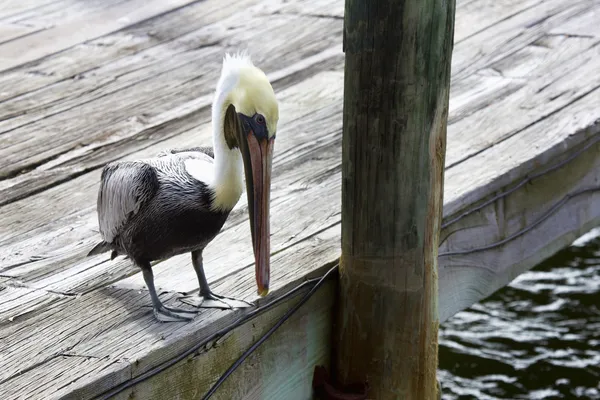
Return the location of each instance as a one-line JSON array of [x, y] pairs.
[[325, 390]]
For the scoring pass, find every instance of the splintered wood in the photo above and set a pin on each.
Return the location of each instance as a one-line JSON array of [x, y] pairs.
[[85, 83]]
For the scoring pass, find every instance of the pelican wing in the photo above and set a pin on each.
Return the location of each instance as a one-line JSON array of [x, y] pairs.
[[124, 189]]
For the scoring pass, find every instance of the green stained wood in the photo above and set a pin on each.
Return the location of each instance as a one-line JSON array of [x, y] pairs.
[[397, 78]]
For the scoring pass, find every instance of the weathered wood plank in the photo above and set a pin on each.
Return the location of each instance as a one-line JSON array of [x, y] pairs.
[[63, 91], [86, 57], [10, 32], [98, 273], [40, 383], [283, 369], [513, 33], [17, 301], [396, 93], [93, 22], [177, 86], [13, 8], [100, 335], [51, 231]]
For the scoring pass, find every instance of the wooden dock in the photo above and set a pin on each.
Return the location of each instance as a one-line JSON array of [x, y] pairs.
[[83, 83]]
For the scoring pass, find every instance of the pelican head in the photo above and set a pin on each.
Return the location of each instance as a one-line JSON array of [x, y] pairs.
[[250, 125]]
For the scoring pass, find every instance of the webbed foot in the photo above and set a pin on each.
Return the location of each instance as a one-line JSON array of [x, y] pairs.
[[212, 300], [172, 314]]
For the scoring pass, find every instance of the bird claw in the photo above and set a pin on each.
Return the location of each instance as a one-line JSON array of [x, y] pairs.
[[215, 301], [168, 314]]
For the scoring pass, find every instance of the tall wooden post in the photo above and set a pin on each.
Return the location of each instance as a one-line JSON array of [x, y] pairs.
[[397, 78]]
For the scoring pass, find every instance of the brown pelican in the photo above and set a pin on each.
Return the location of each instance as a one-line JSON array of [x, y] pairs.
[[177, 202]]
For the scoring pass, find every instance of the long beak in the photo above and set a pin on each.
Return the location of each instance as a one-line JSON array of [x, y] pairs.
[[257, 153]]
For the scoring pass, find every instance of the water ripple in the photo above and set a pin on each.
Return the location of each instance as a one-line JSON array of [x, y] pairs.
[[538, 338]]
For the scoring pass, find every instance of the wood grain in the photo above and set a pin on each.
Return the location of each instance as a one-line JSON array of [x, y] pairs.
[[396, 90], [522, 99], [89, 19]]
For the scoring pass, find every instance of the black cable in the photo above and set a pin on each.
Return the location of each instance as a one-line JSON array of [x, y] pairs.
[[321, 280], [260, 341], [215, 336], [541, 219], [525, 180]]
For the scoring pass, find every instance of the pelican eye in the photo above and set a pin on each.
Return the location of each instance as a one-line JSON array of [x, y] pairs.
[[260, 119]]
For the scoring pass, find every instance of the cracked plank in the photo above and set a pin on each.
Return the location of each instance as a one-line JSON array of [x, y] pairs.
[[93, 21], [551, 79], [43, 238], [50, 377], [67, 270], [88, 56], [83, 125], [126, 313]]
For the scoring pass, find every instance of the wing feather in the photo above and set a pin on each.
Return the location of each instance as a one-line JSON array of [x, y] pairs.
[[206, 150], [124, 189]]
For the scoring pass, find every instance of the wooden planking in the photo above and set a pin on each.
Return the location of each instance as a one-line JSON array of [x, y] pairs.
[[467, 278], [124, 72], [283, 369], [512, 34], [551, 80], [582, 26], [10, 32], [81, 330], [39, 383], [12, 8], [83, 85], [17, 301], [97, 336], [99, 273], [482, 82], [134, 108], [86, 57], [106, 17]]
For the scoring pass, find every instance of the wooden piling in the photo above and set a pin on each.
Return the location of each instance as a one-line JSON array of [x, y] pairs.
[[397, 78]]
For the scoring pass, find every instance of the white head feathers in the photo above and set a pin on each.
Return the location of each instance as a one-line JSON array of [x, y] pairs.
[[247, 87]]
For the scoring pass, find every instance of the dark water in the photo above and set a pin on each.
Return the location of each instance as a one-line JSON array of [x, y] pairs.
[[538, 338]]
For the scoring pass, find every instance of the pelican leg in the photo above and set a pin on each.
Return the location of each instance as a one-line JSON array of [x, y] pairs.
[[162, 312], [206, 298]]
